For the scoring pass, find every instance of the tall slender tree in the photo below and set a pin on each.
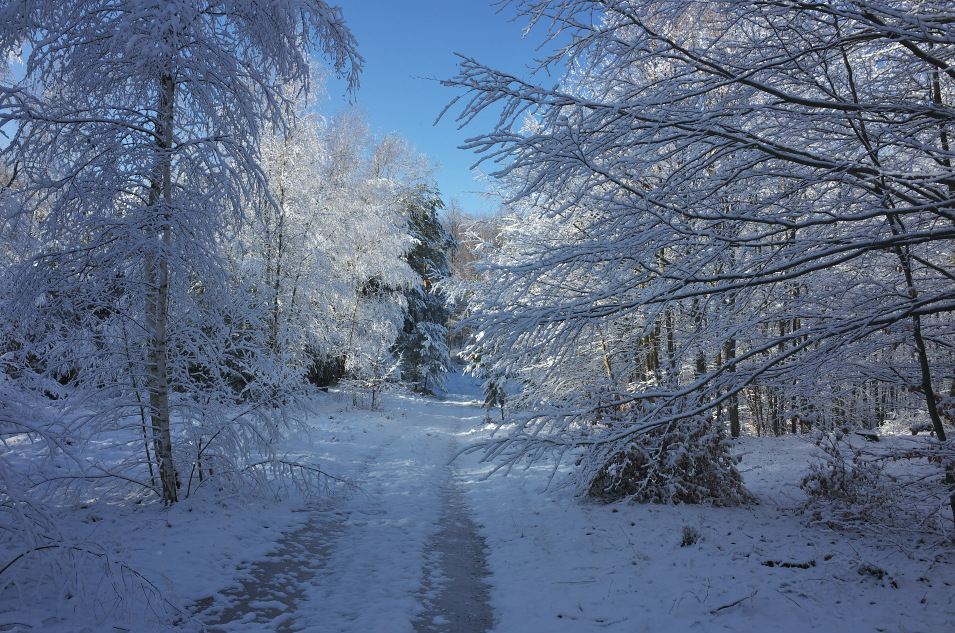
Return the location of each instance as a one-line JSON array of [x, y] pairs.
[[422, 344]]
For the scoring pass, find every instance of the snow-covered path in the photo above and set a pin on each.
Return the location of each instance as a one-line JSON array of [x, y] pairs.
[[399, 555], [429, 546], [458, 598]]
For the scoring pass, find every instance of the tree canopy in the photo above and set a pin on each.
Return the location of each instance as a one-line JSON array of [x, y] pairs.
[[716, 196]]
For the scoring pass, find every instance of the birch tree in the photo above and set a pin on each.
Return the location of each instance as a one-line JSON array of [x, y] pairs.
[[135, 127], [132, 139]]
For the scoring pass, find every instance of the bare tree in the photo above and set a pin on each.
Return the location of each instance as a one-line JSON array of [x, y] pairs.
[[761, 192]]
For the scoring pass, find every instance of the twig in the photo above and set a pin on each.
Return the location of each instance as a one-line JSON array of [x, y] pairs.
[[733, 604]]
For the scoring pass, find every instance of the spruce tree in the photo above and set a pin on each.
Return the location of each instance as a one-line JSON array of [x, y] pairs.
[[422, 344]]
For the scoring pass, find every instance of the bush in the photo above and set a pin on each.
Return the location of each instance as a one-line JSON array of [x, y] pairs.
[[897, 484], [691, 536], [845, 486], [686, 461]]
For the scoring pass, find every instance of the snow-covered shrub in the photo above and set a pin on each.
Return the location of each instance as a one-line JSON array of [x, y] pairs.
[[686, 461], [366, 388], [494, 385], [494, 397], [426, 358], [845, 486], [691, 536], [852, 485]]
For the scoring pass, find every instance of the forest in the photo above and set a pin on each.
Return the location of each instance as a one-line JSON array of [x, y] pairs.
[[714, 221], [726, 217]]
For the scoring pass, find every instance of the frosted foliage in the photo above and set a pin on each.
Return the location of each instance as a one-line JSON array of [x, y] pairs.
[[334, 232], [133, 155], [329, 255], [856, 482], [423, 344], [748, 202], [845, 487], [434, 355]]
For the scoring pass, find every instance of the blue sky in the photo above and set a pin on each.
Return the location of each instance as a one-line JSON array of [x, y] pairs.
[[407, 46]]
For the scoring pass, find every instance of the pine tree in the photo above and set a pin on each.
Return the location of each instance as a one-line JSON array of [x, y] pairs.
[[422, 343]]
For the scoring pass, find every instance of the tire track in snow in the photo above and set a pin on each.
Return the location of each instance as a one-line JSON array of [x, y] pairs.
[[457, 596], [380, 577], [270, 594], [403, 557], [266, 599], [456, 574]]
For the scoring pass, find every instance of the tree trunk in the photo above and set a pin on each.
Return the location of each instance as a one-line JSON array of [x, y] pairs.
[[730, 354], [280, 249], [603, 347], [157, 300], [671, 372], [775, 410], [924, 367]]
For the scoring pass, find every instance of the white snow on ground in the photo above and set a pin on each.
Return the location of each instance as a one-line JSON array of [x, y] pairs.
[[557, 563]]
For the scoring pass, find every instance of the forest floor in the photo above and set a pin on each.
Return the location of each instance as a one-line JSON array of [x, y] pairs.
[[422, 544]]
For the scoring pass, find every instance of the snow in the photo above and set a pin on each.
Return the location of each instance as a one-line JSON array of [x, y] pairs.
[[364, 559]]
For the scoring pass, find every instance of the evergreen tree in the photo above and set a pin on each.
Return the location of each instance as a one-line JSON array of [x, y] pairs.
[[422, 343]]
